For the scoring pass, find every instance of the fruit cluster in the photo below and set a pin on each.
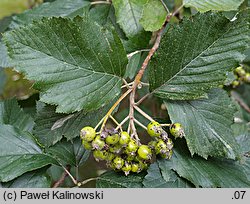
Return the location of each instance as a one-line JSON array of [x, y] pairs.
[[124, 153], [241, 76]]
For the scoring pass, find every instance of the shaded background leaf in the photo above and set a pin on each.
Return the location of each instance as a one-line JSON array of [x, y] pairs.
[[155, 179], [153, 15], [19, 153], [12, 114], [34, 179], [68, 126], [69, 152], [208, 173]]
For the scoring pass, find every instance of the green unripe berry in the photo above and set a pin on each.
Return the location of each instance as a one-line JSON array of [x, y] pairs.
[[152, 144], [176, 130], [145, 152], [112, 139], [135, 168], [87, 145], [247, 78], [126, 168], [115, 148], [130, 157], [88, 133], [97, 143], [118, 162], [110, 156], [154, 129], [124, 138], [235, 83], [131, 147], [161, 147], [143, 166], [99, 155], [240, 71]]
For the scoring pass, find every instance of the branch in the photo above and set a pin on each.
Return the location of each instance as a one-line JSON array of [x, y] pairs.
[[62, 178], [100, 2], [86, 181], [69, 174], [113, 107], [240, 101], [137, 80]]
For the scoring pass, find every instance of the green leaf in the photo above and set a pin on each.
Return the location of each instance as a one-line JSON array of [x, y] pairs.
[[2, 80], [51, 126], [128, 13], [34, 179], [241, 95], [19, 153], [4, 24], [77, 64], [12, 114], [208, 173], [4, 62], [68, 152], [153, 15], [63, 8], [242, 135], [155, 179], [207, 124], [81, 155], [196, 55], [112, 179], [101, 13], [219, 5], [133, 66]]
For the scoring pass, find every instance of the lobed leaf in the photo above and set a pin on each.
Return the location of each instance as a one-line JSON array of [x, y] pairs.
[[50, 126], [209, 173], [197, 54], [155, 178], [12, 114], [63, 8], [69, 152], [72, 62], [19, 153], [112, 179], [34, 179], [207, 124]]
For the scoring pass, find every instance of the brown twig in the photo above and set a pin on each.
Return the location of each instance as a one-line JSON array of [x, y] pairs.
[[62, 178], [241, 103], [137, 80], [140, 74]]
